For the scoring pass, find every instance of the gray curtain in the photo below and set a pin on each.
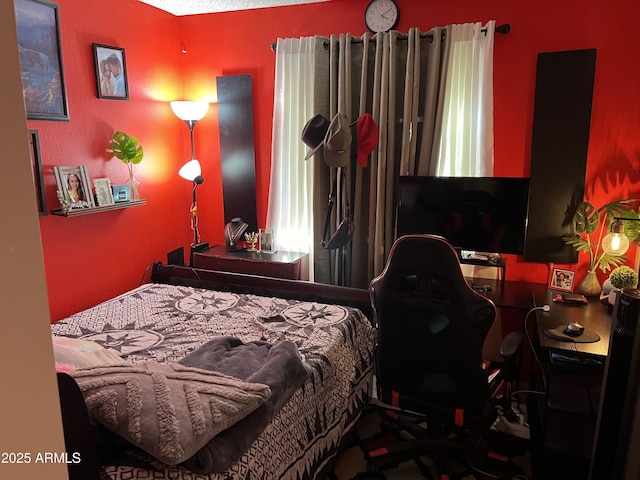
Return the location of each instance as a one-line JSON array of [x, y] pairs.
[[396, 78]]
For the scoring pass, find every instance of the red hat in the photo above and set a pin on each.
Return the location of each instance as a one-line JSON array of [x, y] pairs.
[[368, 134]]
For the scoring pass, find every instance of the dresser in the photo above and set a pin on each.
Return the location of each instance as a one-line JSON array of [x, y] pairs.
[[288, 265]]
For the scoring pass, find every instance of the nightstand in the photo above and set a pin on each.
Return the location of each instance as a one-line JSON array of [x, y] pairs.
[[289, 265]]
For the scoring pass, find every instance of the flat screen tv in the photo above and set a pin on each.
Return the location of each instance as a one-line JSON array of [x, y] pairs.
[[480, 214]]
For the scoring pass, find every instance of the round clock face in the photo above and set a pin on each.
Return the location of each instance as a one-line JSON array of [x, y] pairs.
[[381, 15]]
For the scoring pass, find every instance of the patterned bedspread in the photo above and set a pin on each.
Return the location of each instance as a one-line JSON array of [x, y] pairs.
[[166, 322]]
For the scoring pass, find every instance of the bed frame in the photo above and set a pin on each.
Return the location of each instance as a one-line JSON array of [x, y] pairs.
[[259, 285], [77, 430]]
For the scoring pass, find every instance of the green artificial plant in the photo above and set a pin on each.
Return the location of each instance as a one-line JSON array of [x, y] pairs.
[[591, 225], [623, 277], [128, 149]]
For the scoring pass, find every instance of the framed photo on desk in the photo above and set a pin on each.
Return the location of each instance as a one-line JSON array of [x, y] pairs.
[[562, 280]]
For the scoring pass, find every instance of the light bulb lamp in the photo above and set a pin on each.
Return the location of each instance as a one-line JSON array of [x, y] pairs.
[[616, 242], [191, 112], [192, 171]]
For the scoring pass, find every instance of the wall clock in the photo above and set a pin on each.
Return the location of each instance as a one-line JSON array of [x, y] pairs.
[[381, 15]]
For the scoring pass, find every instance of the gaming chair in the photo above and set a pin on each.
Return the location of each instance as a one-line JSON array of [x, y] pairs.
[[431, 327]]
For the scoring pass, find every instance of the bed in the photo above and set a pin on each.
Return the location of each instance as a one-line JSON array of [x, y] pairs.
[[296, 357]]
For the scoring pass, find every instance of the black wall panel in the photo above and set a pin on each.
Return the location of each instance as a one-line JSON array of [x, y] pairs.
[[562, 117], [237, 154]]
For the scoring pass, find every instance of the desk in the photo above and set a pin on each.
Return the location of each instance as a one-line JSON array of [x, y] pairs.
[[512, 294], [514, 299], [592, 316], [288, 265], [562, 422], [564, 419]]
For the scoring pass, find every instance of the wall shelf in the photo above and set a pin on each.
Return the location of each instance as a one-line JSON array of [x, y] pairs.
[[107, 208]]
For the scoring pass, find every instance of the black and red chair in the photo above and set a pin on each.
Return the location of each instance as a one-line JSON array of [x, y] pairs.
[[431, 328]]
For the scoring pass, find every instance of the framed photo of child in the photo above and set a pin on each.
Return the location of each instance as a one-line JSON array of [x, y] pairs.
[[562, 280]]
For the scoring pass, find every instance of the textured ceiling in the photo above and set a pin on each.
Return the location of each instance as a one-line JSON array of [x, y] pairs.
[[194, 7]]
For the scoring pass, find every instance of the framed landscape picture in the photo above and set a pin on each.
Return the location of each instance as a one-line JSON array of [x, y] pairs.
[[41, 60], [111, 72]]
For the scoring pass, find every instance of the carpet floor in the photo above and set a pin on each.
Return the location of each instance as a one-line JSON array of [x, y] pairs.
[[370, 433]]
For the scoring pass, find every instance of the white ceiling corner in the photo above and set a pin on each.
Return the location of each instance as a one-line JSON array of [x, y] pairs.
[[195, 7]]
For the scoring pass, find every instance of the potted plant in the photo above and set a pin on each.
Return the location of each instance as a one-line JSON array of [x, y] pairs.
[[621, 277], [590, 226], [128, 149]]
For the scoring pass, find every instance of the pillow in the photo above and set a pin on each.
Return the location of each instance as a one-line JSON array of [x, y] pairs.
[[169, 410], [79, 353]]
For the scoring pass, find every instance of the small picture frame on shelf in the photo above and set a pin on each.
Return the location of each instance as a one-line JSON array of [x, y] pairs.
[[562, 280], [74, 190], [121, 193], [266, 241], [104, 195]]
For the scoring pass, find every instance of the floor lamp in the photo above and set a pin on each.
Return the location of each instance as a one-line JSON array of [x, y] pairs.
[[191, 112]]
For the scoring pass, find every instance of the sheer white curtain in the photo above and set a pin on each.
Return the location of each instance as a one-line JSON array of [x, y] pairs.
[[430, 94], [289, 213], [466, 139]]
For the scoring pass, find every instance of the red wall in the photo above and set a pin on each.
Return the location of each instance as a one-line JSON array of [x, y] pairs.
[[91, 258]]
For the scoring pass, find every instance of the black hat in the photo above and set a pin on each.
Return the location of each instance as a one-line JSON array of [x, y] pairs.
[[313, 134]]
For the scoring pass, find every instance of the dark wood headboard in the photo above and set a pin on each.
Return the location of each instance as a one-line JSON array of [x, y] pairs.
[[268, 286]]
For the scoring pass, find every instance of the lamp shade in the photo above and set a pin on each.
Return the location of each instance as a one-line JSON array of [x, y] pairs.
[[190, 170], [190, 110]]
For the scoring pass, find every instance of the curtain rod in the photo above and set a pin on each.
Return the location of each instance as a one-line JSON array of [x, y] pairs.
[[503, 29]]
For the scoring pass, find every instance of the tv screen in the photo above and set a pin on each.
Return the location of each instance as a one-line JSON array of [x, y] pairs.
[[481, 214]]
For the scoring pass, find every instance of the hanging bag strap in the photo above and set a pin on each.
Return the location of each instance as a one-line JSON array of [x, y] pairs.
[[343, 234], [327, 221]]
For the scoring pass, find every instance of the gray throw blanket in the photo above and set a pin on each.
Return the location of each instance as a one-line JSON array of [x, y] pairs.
[[279, 366]]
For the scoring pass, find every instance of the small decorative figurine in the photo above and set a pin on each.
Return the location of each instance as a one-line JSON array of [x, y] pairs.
[[252, 239]]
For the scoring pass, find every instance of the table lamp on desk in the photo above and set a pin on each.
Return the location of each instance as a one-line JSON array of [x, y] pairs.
[[616, 242]]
